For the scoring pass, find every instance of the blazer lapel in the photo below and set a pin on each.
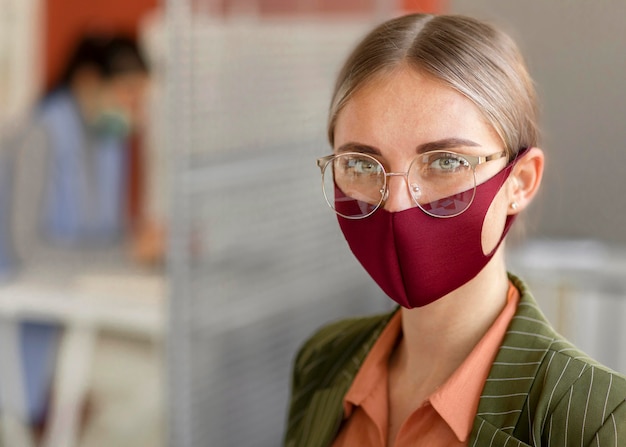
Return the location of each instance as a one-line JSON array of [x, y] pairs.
[[323, 417], [485, 434], [324, 414], [506, 391]]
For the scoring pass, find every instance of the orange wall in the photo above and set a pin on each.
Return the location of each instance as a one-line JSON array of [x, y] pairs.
[[317, 6], [294, 7], [65, 20], [430, 6]]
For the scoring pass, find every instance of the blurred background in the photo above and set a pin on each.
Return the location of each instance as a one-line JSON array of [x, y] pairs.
[[164, 243]]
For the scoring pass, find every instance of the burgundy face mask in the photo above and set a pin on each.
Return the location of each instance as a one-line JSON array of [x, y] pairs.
[[416, 258]]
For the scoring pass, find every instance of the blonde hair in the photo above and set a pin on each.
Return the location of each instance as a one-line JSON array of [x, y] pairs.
[[472, 57]]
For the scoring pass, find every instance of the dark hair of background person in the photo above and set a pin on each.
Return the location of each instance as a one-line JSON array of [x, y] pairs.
[[108, 55]]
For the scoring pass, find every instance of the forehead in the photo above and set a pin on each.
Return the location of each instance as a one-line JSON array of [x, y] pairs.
[[406, 108]]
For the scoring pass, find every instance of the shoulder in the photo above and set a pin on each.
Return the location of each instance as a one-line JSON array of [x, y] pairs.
[[328, 360], [572, 396], [58, 108], [59, 98], [582, 398], [571, 372], [336, 341], [563, 365]]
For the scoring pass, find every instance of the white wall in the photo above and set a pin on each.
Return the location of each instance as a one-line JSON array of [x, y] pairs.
[[576, 50], [20, 25]]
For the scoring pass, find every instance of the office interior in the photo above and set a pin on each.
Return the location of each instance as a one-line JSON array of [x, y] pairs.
[[183, 332]]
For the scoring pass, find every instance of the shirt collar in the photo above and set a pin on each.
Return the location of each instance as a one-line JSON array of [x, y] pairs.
[[374, 368], [457, 399]]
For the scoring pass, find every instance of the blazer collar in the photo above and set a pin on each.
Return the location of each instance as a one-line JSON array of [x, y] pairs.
[[502, 401], [506, 391]]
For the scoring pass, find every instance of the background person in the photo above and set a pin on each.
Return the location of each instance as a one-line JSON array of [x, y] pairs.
[[70, 183], [434, 136], [65, 181]]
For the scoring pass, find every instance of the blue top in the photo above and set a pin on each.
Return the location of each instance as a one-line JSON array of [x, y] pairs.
[[85, 186]]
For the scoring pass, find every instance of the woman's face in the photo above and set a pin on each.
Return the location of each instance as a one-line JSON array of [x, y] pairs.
[[405, 112], [122, 96]]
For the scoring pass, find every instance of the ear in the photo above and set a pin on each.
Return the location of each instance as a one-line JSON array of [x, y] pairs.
[[525, 180]]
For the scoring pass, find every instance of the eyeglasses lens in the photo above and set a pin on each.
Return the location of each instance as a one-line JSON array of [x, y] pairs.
[[441, 183], [354, 185]]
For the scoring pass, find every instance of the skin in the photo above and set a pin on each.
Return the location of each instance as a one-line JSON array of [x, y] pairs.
[[124, 92], [394, 114]]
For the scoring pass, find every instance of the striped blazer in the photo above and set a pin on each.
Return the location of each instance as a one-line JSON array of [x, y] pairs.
[[541, 390]]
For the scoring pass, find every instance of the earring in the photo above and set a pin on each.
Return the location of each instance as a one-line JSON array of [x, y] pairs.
[[514, 205]]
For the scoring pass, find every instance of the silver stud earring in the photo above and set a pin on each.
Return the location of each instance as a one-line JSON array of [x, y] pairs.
[[514, 205]]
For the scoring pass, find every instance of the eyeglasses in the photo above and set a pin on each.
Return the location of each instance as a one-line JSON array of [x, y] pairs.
[[441, 183]]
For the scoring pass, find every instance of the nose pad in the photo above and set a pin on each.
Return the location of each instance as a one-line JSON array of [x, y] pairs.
[[416, 192], [400, 198]]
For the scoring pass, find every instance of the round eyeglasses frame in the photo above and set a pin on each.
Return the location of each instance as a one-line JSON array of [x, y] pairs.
[[472, 160]]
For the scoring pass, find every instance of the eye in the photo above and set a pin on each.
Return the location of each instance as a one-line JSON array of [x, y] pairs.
[[447, 162], [362, 166]]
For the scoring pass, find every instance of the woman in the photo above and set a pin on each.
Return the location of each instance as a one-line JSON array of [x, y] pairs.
[[433, 128]]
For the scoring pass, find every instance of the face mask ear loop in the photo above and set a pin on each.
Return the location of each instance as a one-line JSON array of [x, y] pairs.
[[509, 167], [511, 217], [519, 155]]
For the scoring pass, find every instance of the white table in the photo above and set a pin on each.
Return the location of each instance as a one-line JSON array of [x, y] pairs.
[[84, 297]]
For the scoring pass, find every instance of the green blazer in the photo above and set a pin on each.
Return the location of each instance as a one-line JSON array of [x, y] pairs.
[[541, 390]]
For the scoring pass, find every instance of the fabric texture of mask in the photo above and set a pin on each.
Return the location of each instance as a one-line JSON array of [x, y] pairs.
[[416, 258], [113, 122]]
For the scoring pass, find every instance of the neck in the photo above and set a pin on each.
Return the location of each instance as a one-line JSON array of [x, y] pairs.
[[446, 331]]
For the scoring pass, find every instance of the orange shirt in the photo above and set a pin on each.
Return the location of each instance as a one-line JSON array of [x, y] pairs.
[[445, 418]]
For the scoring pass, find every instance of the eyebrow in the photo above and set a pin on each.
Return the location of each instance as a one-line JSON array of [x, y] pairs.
[[358, 147], [445, 144], [438, 145]]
